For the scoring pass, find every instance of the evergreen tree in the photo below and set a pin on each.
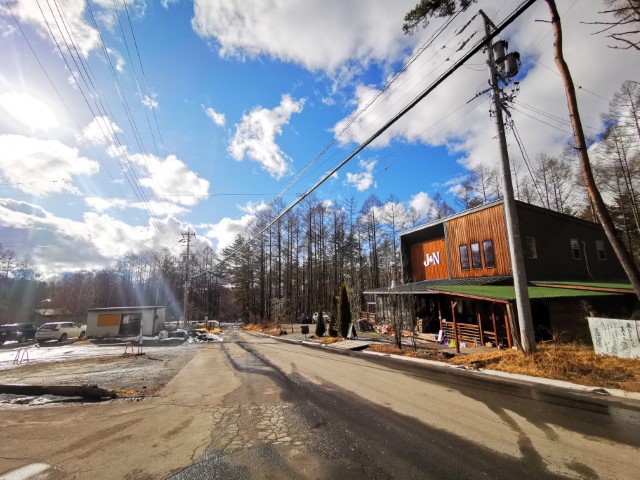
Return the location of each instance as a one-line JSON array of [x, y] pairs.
[[333, 327], [321, 328], [344, 312]]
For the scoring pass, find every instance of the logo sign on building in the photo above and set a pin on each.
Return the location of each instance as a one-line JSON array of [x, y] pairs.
[[611, 336], [432, 259]]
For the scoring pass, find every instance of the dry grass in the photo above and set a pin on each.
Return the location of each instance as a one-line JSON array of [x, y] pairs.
[[121, 393], [268, 329], [329, 340], [570, 362], [254, 327]]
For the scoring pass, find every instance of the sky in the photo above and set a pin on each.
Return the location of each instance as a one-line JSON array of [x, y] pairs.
[[124, 123]]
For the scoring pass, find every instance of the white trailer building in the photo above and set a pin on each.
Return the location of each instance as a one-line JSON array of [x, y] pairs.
[[126, 321]]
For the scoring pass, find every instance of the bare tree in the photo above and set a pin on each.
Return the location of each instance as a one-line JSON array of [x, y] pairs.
[[623, 27], [599, 206]]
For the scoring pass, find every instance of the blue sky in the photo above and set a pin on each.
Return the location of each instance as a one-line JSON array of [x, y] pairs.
[[236, 98]]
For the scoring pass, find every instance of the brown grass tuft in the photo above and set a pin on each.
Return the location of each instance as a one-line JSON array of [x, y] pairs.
[[569, 362], [329, 340]]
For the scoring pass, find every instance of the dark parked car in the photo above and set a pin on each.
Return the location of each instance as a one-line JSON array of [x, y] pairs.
[[304, 319], [17, 331]]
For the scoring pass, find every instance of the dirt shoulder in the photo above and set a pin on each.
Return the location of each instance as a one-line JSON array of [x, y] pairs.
[[143, 375]]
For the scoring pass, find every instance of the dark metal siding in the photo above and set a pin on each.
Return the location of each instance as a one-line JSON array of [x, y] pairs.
[[553, 233]]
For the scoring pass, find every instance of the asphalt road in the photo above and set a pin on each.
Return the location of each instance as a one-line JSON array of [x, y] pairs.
[[257, 408], [303, 412]]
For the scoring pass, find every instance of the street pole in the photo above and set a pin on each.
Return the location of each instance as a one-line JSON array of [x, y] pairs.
[[527, 337], [188, 234]]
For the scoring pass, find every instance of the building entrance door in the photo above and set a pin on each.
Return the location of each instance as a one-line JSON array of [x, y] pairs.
[[130, 324]]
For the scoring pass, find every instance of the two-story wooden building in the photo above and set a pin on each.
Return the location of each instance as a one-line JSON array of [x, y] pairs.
[[458, 272]]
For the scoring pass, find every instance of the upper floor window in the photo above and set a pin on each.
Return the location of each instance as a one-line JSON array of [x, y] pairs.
[[476, 258], [489, 255], [602, 255], [575, 249], [464, 257], [531, 252]]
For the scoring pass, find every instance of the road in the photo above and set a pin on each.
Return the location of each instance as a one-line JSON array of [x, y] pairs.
[[350, 417], [255, 407]]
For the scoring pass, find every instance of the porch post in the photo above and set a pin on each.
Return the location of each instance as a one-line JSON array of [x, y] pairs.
[[506, 323], [480, 326], [493, 319], [455, 325]]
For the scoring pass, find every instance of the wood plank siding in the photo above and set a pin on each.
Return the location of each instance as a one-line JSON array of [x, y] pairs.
[[487, 224], [434, 253]]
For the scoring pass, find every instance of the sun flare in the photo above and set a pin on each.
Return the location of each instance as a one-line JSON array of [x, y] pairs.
[[29, 110]]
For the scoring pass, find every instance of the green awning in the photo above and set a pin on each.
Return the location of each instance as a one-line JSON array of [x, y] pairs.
[[507, 292], [621, 287]]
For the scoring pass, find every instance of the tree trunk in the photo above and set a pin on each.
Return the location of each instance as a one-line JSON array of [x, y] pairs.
[[601, 210]]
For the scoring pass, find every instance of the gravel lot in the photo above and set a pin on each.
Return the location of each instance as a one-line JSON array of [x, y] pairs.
[[81, 364]]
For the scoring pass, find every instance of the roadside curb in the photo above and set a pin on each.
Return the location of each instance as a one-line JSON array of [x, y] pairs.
[[574, 387], [613, 392]]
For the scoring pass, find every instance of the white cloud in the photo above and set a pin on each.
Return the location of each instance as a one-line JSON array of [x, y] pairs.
[[171, 176], [363, 180], [40, 167], [101, 131], [217, 118], [29, 110], [255, 136], [226, 230], [95, 241], [253, 208], [101, 204], [423, 205], [444, 119], [85, 36], [167, 3], [107, 14], [335, 37], [120, 63], [150, 102]]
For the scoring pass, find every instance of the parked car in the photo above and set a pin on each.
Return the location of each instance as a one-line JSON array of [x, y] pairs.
[[17, 331], [60, 331], [304, 319], [325, 317]]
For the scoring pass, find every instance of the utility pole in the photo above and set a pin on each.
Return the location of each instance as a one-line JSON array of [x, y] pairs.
[[527, 337], [188, 236]]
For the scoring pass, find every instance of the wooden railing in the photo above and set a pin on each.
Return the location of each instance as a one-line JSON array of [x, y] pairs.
[[469, 333], [371, 317]]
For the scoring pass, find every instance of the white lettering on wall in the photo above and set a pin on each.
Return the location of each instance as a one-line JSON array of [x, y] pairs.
[[432, 259]]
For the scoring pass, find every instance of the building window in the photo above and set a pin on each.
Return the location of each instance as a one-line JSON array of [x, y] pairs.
[[476, 258], [489, 255], [464, 257], [575, 249], [600, 247], [531, 252]]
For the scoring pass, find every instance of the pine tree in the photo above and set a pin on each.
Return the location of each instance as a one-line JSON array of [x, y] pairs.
[[321, 328], [344, 312]]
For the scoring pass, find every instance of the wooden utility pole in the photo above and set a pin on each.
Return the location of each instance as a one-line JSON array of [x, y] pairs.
[[188, 236], [527, 337]]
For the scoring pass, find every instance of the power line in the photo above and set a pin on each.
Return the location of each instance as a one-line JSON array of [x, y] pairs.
[[362, 112], [475, 49], [128, 171], [48, 77]]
